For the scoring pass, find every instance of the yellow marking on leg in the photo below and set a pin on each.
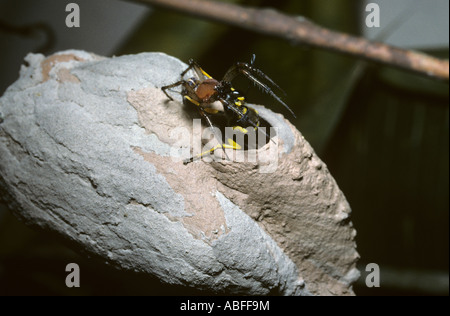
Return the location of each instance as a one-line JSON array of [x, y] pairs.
[[231, 145], [208, 151], [211, 111], [191, 100], [205, 73], [244, 111], [241, 129]]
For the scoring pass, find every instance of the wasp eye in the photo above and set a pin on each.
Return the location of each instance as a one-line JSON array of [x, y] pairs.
[[192, 82]]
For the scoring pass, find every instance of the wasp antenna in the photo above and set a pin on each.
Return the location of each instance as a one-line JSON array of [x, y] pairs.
[[285, 105], [268, 79], [267, 90], [282, 103], [261, 74]]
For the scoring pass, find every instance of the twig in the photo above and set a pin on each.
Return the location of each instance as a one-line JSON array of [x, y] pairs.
[[302, 31]]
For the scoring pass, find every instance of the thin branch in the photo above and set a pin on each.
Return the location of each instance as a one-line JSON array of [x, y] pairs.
[[302, 31]]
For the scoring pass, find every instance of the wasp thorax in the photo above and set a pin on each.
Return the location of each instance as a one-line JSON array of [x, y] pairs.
[[206, 89]]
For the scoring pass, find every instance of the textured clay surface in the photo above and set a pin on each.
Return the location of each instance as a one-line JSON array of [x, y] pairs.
[[90, 148]]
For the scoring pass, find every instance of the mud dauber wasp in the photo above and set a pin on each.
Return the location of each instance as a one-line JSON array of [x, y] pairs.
[[202, 90]]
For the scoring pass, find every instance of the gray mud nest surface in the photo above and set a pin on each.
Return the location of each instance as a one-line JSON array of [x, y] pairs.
[[90, 149]]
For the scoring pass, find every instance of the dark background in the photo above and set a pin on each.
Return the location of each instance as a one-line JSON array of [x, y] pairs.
[[383, 133]]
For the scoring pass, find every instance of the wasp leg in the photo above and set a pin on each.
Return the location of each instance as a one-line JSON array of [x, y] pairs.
[[239, 112], [231, 145], [211, 126], [192, 65], [170, 86], [198, 70]]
